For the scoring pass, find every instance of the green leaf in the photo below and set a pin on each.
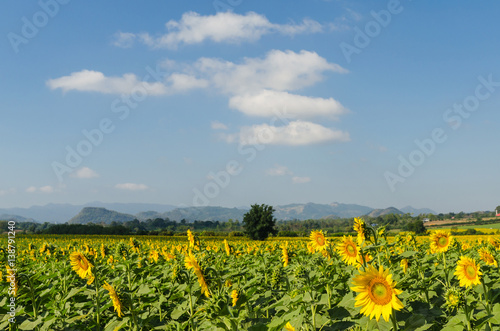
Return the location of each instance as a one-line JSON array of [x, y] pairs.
[[177, 312], [415, 321], [30, 325], [408, 254]]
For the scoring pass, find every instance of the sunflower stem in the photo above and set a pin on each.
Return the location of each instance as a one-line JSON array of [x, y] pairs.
[[445, 270], [313, 310], [394, 321], [98, 313], [486, 298], [466, 311]]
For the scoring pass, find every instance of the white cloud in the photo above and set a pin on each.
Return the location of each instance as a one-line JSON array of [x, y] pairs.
[[85, 173], [216, 125], [43, 189], [256, 87], [300, 180], [46, 189], [182, 82], [124, 39], [131, 187], [228, 27], [296, 133], [279, 70], [94, 81], [31, 189], [278, 170], [268, 103]]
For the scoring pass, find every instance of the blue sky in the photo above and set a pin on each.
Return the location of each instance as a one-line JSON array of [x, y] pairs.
[[230, 103]]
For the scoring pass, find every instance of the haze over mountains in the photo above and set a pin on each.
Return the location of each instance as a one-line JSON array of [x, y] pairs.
[[99, 212]]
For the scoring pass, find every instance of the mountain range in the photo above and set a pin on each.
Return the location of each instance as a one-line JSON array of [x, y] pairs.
[[99, 212]]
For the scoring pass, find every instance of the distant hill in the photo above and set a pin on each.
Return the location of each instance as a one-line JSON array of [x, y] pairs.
[[316, 211], [121, 212], [417, 211], [63, 212], [100, 215], [205, 214], [16, 218], [382, 212]]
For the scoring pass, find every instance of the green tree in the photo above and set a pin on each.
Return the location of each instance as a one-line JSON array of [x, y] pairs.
[[259, 222], [416, 226]]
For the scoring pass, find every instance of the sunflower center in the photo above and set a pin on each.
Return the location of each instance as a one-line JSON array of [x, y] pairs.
[[442, 242], [351, 250], [470, 272], [380, 292], [320, 241]]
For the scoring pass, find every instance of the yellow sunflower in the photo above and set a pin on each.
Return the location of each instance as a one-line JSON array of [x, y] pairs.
[[81, 265], [404, 264], [227, 248], [285, 256], [154, 256], [289, 327], [114, 298], [377, 293], [360, 228], [311, 247], [234, 296], [487, 257], [495, 242], [318, 240], [190, 238], [467, 272], [191, 263], [348, 250], [440, 241]]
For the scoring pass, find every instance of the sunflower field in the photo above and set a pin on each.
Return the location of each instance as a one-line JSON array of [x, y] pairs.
[[364, 282]]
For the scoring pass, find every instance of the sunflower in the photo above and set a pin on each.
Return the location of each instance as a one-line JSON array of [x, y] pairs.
[[377, 293], [289, 327], [467, 272], [81, 265], [153, 256], [348, 250], [487, 257], [454, 298], [227, 248], [318, 240], [191, 263], [114, 297], [360, 228], [234, 296], [285, 256], [495, 242], [190, 238], [404, 264], [440, 241], [465, 246]]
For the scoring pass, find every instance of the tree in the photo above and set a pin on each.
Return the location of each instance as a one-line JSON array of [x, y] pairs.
[[417, 227], [259, 222]]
